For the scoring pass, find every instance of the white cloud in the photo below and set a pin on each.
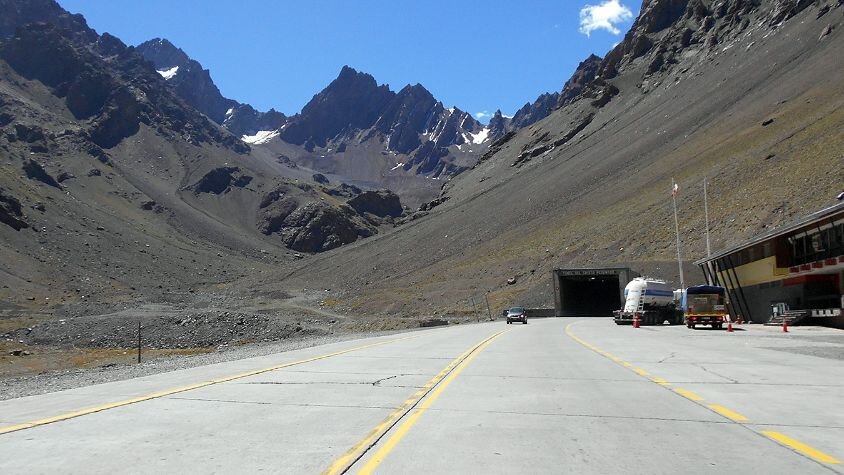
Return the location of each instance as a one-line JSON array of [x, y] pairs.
[[604, 16], [482, 115]]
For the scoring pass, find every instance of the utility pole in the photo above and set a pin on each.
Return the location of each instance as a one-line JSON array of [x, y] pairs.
[[139, 341], [706, 215], [674, 189], [477, 314]]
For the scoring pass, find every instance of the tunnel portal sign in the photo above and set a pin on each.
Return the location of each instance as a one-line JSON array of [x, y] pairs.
[[589, 271]]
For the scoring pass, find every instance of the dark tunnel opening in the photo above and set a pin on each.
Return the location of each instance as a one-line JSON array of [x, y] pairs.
[[590, 292]]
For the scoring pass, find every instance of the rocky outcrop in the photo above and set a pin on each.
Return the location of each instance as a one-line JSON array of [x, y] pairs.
[[243, 119], [545, 104], [11, 213], [221, 180], [17, 13], [666, 27], [533, 112], [498, 124], [345, 190], [317, 227], [275, 207], [381, 203], [34, 171], [583, 75]]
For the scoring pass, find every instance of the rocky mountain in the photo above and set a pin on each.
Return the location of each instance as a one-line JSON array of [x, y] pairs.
[[194, 85], [747, 94], [546, 103], [354, 111], [113, 188], [354, 130]]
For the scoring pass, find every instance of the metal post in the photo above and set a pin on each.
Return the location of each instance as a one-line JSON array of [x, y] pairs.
[[706, 215], [475, 306], [139, 341], [677, 232], [488, 311]]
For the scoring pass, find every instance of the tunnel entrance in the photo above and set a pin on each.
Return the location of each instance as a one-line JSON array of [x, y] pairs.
[[594, 292]]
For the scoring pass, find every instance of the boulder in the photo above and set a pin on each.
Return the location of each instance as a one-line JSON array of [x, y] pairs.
[[221, 180], [381, 203], [317, 227], [34, 171], [11, 212]]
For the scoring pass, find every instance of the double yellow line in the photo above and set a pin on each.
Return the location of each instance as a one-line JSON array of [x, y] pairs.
[[783, 439], [432, 389], [168, 392]]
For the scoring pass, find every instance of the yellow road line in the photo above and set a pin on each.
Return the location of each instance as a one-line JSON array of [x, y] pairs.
[[343, 463], [688, 394], [168, 392], [398, 435], [804, 449], [727, 413], [683, 392]]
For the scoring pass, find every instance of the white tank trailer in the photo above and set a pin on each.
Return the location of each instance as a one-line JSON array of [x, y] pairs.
[[651, 301]]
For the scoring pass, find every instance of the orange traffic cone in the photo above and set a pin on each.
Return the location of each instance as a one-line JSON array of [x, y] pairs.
[[785, 326], [729, 327]]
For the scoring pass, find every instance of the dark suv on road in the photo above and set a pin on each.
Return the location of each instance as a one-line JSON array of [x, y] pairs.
[[516, 314]]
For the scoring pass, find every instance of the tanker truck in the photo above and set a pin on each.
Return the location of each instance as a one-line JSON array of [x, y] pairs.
[[649, 300]]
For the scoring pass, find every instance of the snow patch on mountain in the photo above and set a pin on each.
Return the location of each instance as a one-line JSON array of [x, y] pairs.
[[169, 74], [481, 136], [263, 136]]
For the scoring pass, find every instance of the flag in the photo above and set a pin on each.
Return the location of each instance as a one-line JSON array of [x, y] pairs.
[[674, 190]]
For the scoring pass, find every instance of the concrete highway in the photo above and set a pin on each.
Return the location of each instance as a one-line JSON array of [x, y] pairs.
[[577, 396]]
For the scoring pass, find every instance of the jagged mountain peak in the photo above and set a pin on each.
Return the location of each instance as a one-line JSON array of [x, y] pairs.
[[17, 13], [583, 75], [163, 54]]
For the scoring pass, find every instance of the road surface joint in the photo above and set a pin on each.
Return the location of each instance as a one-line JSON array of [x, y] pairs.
[[182, 389], [793, 444], [432, 390]]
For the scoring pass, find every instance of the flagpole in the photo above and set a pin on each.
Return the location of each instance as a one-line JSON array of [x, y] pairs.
[[706, 215], [677, 232]]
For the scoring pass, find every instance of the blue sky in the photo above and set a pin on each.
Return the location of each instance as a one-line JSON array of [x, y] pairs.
[[478, 56]]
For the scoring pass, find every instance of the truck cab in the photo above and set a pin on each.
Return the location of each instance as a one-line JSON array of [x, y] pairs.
[[705, 305]]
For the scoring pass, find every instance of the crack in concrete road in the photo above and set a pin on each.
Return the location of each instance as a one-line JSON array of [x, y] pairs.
[[667, 419], [731, 380], [264, 403], [377, 382]]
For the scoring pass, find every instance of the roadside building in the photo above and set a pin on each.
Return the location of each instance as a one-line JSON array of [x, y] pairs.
[[800, 264]]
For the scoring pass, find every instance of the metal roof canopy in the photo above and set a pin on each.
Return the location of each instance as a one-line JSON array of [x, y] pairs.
[[806, 221]]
